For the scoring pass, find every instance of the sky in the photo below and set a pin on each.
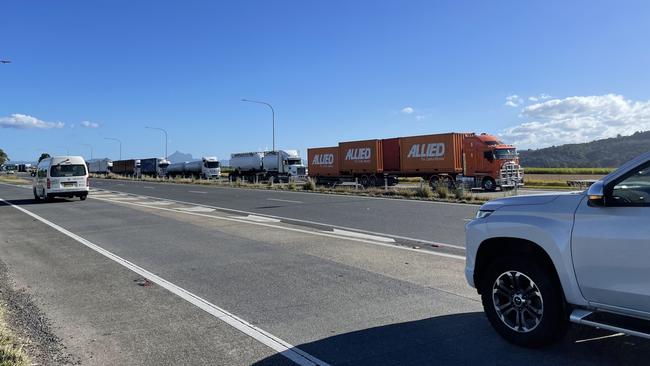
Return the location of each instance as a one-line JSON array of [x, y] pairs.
[[535, 73]]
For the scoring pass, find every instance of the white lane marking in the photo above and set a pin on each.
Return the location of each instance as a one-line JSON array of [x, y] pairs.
[[119, 184], [257, 218], [316, 233], [196, 209], [146, 187], [438, 244], [158, 203], [123, 198], [284, 348], [281, 200], [363, 236], [200, 192]]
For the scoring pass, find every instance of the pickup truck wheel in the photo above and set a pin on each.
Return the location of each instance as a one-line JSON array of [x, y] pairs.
[[523, 302]]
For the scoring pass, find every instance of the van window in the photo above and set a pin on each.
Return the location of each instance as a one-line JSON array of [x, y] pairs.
[[71, 170]]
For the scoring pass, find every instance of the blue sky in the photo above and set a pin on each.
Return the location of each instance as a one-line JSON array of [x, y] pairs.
[[536, 73]]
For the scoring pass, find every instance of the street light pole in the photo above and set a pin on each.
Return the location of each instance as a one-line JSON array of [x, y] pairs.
[[272, 116], [91, 150], [273, 124], [118, 140], [163, 130]]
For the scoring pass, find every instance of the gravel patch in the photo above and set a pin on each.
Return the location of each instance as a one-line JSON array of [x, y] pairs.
[[29, 323]]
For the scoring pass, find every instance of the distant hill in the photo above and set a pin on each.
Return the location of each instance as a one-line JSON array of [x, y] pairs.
[[606, 153], [179, 157]]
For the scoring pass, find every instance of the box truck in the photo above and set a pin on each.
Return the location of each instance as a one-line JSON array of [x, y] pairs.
[[449, 158], [100, 166], [281, 164], [207, 168]]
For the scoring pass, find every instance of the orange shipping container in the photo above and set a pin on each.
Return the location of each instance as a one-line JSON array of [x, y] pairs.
[[361, 157], [323, 161], [441, 153]]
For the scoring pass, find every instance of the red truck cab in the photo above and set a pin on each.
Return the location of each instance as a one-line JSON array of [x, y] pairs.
[[492, 162]]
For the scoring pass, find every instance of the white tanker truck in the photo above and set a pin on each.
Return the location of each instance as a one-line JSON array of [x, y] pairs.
[[206, 168], [264, 165]]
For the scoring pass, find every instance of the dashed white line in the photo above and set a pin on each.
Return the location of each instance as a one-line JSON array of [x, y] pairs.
[[147, 187], [286, 349], [281, 200], [196, 209], [257, 218], [200, 192]]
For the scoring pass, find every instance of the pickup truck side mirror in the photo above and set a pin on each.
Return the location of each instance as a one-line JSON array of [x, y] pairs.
[[596, 194]]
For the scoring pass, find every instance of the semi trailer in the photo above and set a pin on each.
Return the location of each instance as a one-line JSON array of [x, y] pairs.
[[100, 166], [130, 167], [154, 167], [207, 168], [281, 164], [450, 158]]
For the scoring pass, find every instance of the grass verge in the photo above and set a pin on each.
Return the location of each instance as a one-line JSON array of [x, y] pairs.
[[12, 179], [425, 193], [595, 171], [11, 348]]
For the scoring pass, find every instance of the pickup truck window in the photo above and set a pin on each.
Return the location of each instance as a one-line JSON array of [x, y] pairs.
[[633, 190]]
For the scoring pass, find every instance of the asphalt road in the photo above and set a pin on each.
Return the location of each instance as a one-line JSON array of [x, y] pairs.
[[129, 279], [420, 220]]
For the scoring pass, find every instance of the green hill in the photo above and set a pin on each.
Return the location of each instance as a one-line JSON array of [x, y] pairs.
[[604, 153]]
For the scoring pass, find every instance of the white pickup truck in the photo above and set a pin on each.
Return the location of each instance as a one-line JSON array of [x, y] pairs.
[[540, 262]]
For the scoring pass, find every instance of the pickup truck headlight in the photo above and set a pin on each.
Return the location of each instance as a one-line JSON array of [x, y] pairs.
[[481, 214]]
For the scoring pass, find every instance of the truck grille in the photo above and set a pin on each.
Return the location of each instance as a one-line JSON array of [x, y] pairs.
[[511, 174]]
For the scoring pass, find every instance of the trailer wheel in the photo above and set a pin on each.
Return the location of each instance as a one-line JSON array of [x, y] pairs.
[[449, 182], [372, 181], [433, 181], [489, 184], [364, 180]]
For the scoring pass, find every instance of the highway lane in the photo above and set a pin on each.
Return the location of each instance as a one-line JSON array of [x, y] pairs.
[[341, 300], [428, 221]]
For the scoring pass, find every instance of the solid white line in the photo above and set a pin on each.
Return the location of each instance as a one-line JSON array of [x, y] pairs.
[[197, 192], [196, 209], [281, 200], [363, 236], [284, 348], [247, 220], [439, 244]]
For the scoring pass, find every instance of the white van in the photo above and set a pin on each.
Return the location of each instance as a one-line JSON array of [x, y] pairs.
[[61, 176]]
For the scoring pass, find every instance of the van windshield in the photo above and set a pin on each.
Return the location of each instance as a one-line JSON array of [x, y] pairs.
[[212, 164], [71, 170]]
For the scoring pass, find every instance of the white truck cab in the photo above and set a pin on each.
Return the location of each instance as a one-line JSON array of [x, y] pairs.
[[542, 261], [61, 176]]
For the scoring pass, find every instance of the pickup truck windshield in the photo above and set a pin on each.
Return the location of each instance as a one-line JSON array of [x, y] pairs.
[[212, 164], [71, 170]]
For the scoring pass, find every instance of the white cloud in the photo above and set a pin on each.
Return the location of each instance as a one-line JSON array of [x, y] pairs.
[[513, 100], [537, 98], [421, 117], [23, 121], [408, 110], [89, 124], [578, 119]]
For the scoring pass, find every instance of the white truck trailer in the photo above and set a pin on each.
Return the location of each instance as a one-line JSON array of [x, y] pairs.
[[207, 168], [282, 165], [100, 166]]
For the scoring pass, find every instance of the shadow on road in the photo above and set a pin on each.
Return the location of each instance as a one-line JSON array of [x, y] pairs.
[[31, 201], [467, 339]]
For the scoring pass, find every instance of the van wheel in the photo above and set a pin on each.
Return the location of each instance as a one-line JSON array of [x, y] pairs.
[[36, 196], [524, 302], [49, 198], [83, 197]]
